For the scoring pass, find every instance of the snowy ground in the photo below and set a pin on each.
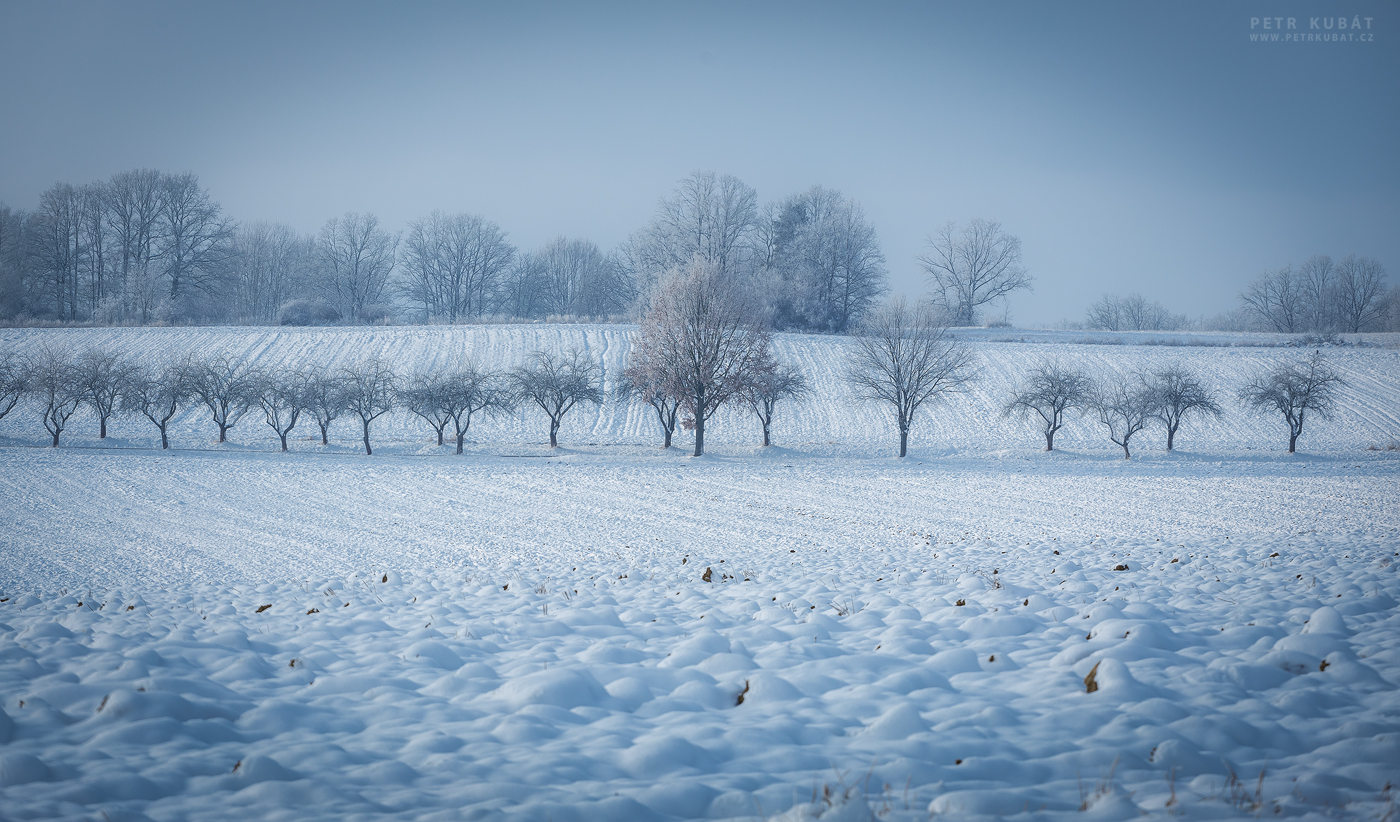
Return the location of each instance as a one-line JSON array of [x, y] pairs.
[[523, 634]]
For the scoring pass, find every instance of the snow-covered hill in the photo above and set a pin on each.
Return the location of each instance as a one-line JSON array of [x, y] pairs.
[[831, 421]]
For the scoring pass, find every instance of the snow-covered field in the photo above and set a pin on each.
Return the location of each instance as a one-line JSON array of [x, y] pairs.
[[226, 632]]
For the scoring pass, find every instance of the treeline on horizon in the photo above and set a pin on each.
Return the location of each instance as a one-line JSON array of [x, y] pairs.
[[151, 248]]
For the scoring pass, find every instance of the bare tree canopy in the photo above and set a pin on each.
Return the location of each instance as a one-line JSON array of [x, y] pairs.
[[356, 257], [1360, 303], [1295, 390], [1180, 392], [271, 264], [1049, 392], [454, 264], [770, 383], [702, 336], [708, 217], [468, 390], [1320, 296], [652, 383], [557, 383], [902, 355], [14, 377], [326, 399], [368, 393], [973, 267], [1125, 408]]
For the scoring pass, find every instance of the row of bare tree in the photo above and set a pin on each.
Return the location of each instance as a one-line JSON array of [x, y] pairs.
[[1126, 404], [1322, 296]]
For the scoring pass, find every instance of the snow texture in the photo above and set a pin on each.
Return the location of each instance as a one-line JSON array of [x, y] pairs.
[[228, 632]]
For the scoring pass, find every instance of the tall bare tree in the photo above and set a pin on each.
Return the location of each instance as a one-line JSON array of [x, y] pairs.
[[1295, 390], [58, 248], [454, 263], [196, 244], [1278, 300], [1360, 293], [133, 214], [709, 217], [903, 356], [703, 334], [357, 257], [973, 267], [270, 264], [557, 383], [1050, 391]]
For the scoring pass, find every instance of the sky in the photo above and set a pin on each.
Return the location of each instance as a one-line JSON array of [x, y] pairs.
[[1132, 147]]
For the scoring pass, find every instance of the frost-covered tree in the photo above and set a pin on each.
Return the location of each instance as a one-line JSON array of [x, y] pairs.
[[1180, 392], [1050, 391], [226, 386], [709, 217], [1125, 407], [158, 394], [283, 395], [1295, 390], [368, 393], [904, 356], [103, 375], [703, 335], [557, 383], [770, 383], [453, 265], [56, 383], [652, 383], [356, 258], [973, 267]]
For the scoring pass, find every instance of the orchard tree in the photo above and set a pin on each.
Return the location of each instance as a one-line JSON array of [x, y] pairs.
[[467, 391], [283, 395], [158, 395], [1295, 390], [14, 377], [1049, 393], [973, 267], [704, 336], [770, 383], [1124, 408], [103, 375], [226, 386], [651, 383], [369, 393], [54, 380], [326, 399], [1180, 392], [902, 355], [557, 383]]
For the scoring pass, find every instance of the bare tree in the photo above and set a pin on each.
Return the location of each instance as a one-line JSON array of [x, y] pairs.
[[196, 248], [1132, 313], [369, 392], [703, 335], [226, 386], [325, 401], [557, 383], [423, 398], [270, 265], [770, 383], [1124, 408], [57, 249], [356, 257], [283, 395], [103, 376], [1360, 293], [1278, 300], [1180, 392], [133, 214], [54, 380], [1316, 281], [904, 356], [710, 217], [1049, 392], [454, 263], [14, 377], [574, 278], [971, 268], [1294, 390], [466, 391], [652, 383], [158, 395]]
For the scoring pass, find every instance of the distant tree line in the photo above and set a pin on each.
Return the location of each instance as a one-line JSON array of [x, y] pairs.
[[149, 247]]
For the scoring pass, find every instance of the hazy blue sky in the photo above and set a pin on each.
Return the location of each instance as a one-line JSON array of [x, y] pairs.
[[1132, 147]]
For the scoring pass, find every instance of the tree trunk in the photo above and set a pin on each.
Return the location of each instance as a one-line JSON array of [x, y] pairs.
[[460, 436], [55, 437], [102, 428], [699, 435], [440, 430], [223, 432], [1171, 434], [666, 440], [368, 450], [553, 432], [766, 442], [903, 442], [1292, 441], [164, 441], [1049, 440], [323, 427], [1126, 455], [283, 435]]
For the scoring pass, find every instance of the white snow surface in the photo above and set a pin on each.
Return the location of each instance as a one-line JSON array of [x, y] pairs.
[[224, 631]]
